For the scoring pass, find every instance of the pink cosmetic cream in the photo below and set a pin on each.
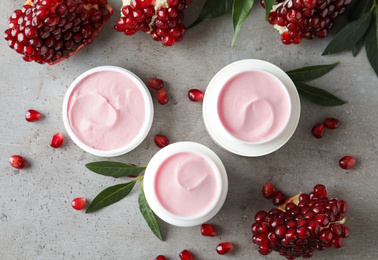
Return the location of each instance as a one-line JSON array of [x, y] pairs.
[[251, 108], [254, 106], [185, 184], [107, 111]]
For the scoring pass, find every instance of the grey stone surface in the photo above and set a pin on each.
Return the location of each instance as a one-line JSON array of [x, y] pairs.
[[36, 219]]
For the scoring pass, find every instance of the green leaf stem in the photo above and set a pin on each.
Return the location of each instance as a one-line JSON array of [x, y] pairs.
[[114, 169], [371, 45], [268, 7], [240, 11], [349, 35], [111, 195], [148, 214], [213, 9], [317, 95], [310, 72]]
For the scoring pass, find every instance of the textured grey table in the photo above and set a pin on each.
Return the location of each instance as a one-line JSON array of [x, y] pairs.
[[36, 219]]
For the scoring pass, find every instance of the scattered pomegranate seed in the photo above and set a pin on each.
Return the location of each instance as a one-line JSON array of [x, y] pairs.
[[279, 199], [186, 255], [32, 115], [57, 140], [162, 97], [305, 223], [208, 230], [224, 248], [331, 123], [17, 161], [347, 162], [78, 203], [195, 95], [268, 190], [155, 83], [318, 130], [161, 141], [160, 257]]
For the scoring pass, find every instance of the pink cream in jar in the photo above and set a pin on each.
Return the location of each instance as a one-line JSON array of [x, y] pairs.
[[108, 111], [254, 106]]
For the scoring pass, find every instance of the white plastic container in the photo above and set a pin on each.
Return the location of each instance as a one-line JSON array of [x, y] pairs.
[[222, 136], [145, 126], [150, 184]]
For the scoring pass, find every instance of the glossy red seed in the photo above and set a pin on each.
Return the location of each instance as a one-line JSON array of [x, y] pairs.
[[57, 140], [345, 231], [17, 161], [260, 216], [195, 95], [161, 141], [32, 115], [265, 250], [338, 242], [347, 162], [208, 230], [321, 190], [318, 130], [78, 203], [331, 123], [224, 248], [162, 97], [186, 255], [155, 83], [268, 190], [160, 257], [279, 199]]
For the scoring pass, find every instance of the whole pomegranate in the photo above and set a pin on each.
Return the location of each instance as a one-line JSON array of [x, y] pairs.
[[49, 31], [162, 19], [301, 225], [297, 19]]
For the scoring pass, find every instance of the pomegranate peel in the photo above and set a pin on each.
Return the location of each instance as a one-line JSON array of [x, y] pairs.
[[53, 30]]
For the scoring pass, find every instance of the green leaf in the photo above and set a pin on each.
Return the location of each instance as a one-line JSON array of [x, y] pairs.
[[310, 72], [148, 214], [317, 95], [114, 169], [111, 195], [213, 9], [240, 11], [349, 35], [357, 47], [371, 46], [357, 8], [268, 7]]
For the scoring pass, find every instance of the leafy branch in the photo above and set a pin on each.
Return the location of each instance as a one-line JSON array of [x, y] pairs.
[[115, 193]]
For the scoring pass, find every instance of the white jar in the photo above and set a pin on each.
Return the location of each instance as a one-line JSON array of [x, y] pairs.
[[179, 198], [213, 117], [102, 111]]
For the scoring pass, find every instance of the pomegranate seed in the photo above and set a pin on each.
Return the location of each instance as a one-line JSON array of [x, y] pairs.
[[338, 242], [331, 123], [78, 203], [162, 97], [161, 141], [279, 199], [17, 161], [260, 216], [320, 189], [57, 140], [208, 230], [160, 257], [224, 248], [32, 115], [347, 162], [268, 190], [345, 231], [155, 83], [318, 130], [195, 95], [186, 255]]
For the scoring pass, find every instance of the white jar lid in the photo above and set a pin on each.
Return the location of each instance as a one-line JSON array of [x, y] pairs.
[[214, 125], [150, 180], [146, 126]]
